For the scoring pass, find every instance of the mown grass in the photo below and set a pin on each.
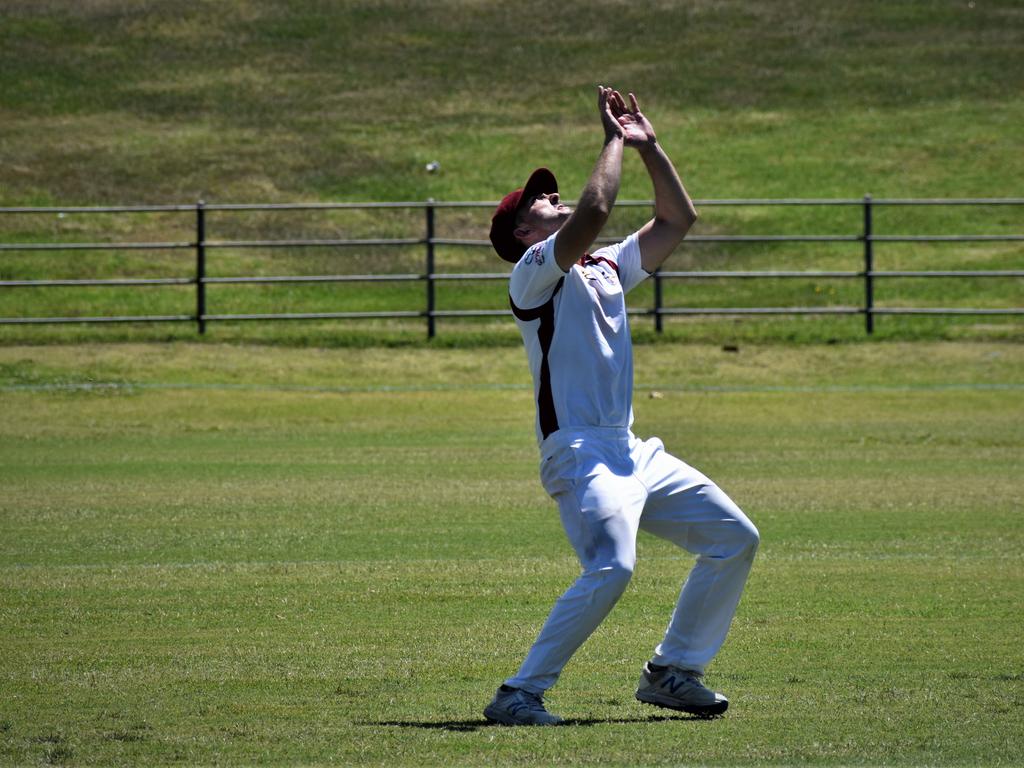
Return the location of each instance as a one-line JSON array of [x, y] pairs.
[[244, 555]]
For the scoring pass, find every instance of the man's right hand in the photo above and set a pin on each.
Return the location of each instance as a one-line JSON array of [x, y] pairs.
[[598, 196], [608, 101]]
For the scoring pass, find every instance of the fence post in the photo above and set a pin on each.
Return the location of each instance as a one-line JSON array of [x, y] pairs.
[[657, 301], [201, 265], [430, 268], [869, 259]]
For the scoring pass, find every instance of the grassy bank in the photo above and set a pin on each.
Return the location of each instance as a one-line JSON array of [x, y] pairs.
[[280, 102], [110, 102]]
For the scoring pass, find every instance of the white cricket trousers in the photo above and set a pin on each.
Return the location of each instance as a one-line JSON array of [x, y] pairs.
[[608, 484]]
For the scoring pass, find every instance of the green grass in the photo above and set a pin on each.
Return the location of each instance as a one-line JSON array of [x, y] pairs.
[[324, 542], [241, 554], [299, 99], [266, 101]]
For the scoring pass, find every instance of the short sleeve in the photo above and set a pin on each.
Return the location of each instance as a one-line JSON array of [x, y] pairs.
[[626, 256], [535, 275]]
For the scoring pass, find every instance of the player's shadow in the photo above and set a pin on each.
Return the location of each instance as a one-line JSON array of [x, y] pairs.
[[476, 725]]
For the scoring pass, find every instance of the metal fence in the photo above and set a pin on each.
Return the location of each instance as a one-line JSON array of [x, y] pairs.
[[201, 245]]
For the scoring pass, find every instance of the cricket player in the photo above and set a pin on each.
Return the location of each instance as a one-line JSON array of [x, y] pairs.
[[570, 307]]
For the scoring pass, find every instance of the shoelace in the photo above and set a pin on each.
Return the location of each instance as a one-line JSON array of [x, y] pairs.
[[534, 701]]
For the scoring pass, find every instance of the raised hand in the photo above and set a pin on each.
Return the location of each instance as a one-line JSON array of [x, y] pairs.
[[607, 107], [637, 130]]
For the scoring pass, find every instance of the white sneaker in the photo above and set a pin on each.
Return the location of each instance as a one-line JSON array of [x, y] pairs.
[[681, 689], [514, 706]]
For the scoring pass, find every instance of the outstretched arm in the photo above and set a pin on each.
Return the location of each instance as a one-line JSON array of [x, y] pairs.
[[674, 213], [598, 196]]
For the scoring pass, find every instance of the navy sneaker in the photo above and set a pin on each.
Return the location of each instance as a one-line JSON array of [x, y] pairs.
[[514, 706], [680, 689]]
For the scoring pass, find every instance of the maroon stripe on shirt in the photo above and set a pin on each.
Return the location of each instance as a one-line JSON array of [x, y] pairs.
[[545, 334]]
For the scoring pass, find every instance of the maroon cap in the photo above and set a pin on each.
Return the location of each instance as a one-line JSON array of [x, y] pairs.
[[503, 223]]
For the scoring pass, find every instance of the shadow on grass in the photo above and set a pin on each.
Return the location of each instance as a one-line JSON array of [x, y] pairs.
[[476, 725]]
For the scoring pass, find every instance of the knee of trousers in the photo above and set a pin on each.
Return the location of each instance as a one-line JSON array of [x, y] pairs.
[[739, 545], [610, 581], [749, 540]]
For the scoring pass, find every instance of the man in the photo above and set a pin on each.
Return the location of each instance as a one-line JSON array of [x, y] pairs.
[[569, 306]]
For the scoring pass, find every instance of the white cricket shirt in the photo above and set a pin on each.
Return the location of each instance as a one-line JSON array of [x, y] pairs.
[[576, 332]]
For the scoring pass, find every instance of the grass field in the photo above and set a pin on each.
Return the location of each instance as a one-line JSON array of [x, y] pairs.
[[325, 543], [240, 555]]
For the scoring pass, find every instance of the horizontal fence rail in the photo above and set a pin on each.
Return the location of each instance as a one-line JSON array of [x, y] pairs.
[[430, 277]]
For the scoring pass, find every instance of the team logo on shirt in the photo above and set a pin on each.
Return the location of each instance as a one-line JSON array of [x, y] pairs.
[[535, 255]]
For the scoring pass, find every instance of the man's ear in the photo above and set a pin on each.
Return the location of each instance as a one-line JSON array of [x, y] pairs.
[[521, 231]]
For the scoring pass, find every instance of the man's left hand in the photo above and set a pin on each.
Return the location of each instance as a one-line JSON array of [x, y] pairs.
[[637, 129]]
